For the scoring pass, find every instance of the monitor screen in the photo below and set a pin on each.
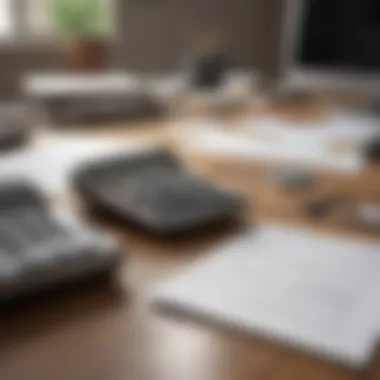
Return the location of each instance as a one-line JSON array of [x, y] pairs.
[[340, 34]]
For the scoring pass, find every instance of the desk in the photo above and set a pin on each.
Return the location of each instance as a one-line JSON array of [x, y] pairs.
[[108, 332]]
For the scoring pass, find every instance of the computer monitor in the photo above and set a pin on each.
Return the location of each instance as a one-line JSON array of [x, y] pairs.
[[332, 44]]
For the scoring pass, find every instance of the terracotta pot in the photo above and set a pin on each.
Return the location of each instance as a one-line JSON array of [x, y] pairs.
[[86, 54]]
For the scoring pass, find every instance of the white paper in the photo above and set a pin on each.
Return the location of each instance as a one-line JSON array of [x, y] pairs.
[[50, 164], [302, 144], [297, 150], [310, 291]]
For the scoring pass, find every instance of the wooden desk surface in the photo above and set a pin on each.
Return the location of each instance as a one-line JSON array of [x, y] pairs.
[[108, 332]]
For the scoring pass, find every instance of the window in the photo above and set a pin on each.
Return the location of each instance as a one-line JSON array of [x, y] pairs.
[[5, 18], [37, 17], [28, 19]]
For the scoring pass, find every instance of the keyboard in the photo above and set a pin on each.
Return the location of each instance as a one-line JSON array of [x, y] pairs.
[[41, 247], [155, 191]]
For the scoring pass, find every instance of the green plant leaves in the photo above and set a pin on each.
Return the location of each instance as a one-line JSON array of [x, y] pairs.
[[84, 18]]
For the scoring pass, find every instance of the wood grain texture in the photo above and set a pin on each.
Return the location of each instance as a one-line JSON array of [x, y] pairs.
[[106, 330]]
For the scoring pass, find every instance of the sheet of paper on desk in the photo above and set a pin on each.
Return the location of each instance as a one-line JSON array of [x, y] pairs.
[[49, 164], [313, 292], [309, 149], [355, 128]]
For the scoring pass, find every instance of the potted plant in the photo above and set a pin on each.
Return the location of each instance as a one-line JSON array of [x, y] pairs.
[[85, 28]]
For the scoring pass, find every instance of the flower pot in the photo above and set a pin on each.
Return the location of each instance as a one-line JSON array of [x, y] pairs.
[[86, 54]]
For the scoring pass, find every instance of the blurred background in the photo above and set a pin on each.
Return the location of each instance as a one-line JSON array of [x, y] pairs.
[[147, 35], [194, 123]]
